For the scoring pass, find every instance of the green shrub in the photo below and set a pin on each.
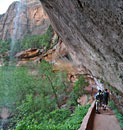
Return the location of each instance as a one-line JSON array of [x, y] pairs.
[[4, 47], [60, 119], [35, 99], [35, 41], [117, 113], [112, 105], [78, 90], [15, 83], [33, 93], [74, 122], [58, 115]]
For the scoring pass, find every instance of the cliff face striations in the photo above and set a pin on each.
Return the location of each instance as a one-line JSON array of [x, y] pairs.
[[31, 20], [93, 33]]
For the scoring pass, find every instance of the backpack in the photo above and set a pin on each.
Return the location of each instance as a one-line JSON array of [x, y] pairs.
[[98, 96]]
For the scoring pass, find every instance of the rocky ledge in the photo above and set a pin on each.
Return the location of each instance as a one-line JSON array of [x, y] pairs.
[[93, 35]]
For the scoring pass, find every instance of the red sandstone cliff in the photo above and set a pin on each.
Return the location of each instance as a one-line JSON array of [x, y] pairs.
[[32, 20]]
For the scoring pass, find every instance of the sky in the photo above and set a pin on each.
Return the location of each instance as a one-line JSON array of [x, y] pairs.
[[4, 4]]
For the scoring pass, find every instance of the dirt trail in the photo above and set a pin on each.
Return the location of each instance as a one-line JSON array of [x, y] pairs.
[[105, 121]]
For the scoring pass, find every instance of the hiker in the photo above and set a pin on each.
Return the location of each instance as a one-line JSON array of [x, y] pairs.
[[105, 98], [99, 98]]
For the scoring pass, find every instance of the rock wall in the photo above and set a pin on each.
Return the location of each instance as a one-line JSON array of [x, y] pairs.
[[32, 20], [93, 33]]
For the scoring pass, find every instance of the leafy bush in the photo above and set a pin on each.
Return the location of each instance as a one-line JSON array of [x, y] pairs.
[[58, 115], [35, 100], [55, 84], [35, 41], [60, 119], [44, 91], [74, 122], [112, 105], [78, 90], [15, 83], [117, 113], [4, 47]]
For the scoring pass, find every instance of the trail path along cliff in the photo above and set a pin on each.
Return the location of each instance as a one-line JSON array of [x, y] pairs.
[[105, 121]]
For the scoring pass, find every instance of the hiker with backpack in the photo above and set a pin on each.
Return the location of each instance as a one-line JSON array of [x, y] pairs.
[[105, 98], [99, 99]]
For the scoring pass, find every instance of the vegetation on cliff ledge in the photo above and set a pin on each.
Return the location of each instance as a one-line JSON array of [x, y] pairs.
[[117, 113], [40, 98], [35, 41]]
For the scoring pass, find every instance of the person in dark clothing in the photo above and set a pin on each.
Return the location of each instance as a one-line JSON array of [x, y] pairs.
[[105, 98]]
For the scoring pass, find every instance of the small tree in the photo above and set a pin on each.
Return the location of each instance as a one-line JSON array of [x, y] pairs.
[[55, 82], [78, 90]]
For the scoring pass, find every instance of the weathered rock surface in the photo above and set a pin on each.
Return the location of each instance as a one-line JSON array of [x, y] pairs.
[[28, 19], [28, 55], [93, 33]]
